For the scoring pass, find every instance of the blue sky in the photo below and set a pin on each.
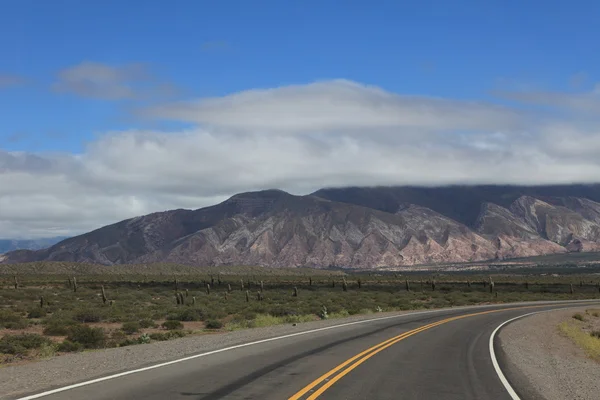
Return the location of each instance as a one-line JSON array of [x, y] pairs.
[[112, 109], [460, 49]]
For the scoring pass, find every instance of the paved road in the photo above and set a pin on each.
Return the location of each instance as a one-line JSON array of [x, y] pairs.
[[441, 355]]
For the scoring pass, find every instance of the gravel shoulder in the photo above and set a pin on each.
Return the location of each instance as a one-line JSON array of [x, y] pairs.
[[543, 364]]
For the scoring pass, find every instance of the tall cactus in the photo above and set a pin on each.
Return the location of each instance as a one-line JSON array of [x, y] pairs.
[[74, 285], [104, 299], [295, 292], [407, 285], [16, 282]]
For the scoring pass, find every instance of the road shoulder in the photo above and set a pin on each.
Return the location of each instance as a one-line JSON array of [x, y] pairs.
[[543, 364]]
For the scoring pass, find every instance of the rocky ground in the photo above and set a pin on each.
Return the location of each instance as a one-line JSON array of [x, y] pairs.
[[549, 365]]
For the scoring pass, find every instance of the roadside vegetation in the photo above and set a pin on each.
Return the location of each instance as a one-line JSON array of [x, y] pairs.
[[46, 314], [584, 331]]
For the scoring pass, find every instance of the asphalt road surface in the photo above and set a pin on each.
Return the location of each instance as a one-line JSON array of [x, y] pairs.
[[442, 355]]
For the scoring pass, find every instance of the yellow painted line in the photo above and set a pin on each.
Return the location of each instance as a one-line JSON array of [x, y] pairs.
[[370, 352], [342, 365]]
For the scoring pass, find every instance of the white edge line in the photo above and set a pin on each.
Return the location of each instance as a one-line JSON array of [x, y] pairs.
[[164, 364], [507, 385]]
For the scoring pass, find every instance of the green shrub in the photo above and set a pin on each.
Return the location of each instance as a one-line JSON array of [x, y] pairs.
[[117, 335], [20, 324], [36, 313], [160, 336], [167, 335], [248, 315], [214, 324], [172, 325], [21, 344], [47, 350], [128, 342], [189, 314], [144, 338], [58, 327], [67, 346], [578, 317], [90, 338], [8, 316], [147, 323], [88, 315], [12, 320], [282, 312], [131, 327]]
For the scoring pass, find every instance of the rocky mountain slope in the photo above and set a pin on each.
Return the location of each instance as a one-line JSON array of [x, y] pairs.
[[353, 228]]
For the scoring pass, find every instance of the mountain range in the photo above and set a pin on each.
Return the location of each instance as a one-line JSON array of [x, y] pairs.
[[357, 227], [7, 245]]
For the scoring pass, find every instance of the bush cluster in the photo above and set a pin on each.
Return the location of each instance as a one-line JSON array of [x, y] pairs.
[[131, 327], [12, 320], [88, 337], [578, 317], [21, 344], [172, 325], [214, 324]]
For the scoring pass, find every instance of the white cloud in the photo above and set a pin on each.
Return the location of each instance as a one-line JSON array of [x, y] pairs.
[[335, 105], [297, 138]]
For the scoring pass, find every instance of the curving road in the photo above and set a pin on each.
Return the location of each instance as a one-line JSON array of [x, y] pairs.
[[430, 355]]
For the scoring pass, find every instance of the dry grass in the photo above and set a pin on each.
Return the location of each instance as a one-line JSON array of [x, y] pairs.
[[583, 339], [594, 312]]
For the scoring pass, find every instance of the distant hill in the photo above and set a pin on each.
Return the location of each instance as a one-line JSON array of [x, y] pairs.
[[350, 228], [7, 245]]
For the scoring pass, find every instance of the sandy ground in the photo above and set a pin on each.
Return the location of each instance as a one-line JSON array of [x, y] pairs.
[[548, 365]]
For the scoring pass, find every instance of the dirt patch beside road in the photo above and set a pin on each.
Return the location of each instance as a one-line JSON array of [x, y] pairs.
[[553, 366]]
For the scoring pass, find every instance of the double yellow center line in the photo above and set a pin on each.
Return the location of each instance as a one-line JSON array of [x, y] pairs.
[[350, 364]]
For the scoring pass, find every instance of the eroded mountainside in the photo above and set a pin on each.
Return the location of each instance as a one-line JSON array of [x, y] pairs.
[[354, 228]]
